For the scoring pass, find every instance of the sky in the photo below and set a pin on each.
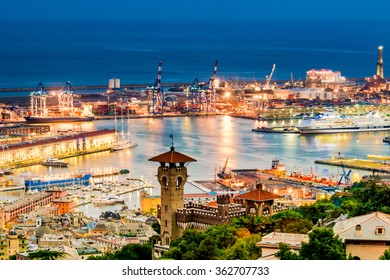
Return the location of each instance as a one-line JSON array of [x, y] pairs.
[[194, 10]]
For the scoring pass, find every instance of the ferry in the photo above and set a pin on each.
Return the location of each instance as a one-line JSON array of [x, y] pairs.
[[55, 162], [61, 180], [330, 122]]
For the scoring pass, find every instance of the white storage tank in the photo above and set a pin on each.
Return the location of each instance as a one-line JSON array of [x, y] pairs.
[[114, 84]]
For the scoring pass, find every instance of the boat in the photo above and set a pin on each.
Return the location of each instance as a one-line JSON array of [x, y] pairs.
[[386, 139], [123, 144], [123, 141], [32, 183], [54, 162], [330, 122], [38, 119]]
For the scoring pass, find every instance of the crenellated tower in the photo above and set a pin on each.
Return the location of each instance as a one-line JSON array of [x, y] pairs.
[[172, 175]]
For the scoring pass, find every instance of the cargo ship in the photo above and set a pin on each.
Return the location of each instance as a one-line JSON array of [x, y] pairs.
[[61, 180], [37, 119], [332, 123]]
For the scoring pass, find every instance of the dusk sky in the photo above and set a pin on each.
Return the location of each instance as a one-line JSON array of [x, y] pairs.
[[191, 10]]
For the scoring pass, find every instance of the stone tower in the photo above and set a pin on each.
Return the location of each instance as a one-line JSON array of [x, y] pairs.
[[172, 175]]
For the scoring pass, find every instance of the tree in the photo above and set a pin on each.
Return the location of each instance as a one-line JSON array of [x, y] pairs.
[[285, 253], [323, 245], [129, 252], [244, 249], [45, 255], [156, 226], [386, 255]]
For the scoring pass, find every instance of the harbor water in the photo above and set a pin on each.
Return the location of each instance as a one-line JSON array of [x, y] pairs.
[[211, 140]]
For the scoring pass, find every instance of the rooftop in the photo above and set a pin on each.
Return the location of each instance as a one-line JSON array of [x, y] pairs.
[[172, 157], [258, 195]]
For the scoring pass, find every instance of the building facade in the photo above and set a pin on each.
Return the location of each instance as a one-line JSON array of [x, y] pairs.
[[59, 146]]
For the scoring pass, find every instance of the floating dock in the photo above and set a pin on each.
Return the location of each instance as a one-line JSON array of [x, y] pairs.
[[361, 164]]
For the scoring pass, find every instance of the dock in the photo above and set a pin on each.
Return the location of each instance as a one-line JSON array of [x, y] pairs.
[[361, 164]]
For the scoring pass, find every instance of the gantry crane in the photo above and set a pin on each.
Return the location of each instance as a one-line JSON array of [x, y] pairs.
[[65, 98], [156, 94], [38, 101]]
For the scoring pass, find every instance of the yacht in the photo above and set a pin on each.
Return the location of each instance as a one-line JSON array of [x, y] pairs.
[[55, 162], [123, 141], [331, 122]]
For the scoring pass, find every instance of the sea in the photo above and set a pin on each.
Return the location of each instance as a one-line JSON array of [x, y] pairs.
[[91, 53]]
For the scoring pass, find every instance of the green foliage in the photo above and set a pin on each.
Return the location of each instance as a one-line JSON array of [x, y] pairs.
[[128, 252], [156, 226], [319, 210], [12, 257], [219, 242], [244, 249], [289, 222], [285, 253], [323, 245], [368, 197], [45, 255], [386, 255], [254, 224]]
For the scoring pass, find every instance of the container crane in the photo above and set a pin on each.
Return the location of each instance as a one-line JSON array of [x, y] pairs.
[[65, 98], [213, 94], [38, 101], [345, 175], [156, 94], [268, 78]]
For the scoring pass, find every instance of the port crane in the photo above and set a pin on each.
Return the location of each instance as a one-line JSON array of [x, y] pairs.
[[195, 96], [65, 98], [344, 175], [223, 174], [268, 78], [156, 94], [38, 101], [211, 86], [203, 95]]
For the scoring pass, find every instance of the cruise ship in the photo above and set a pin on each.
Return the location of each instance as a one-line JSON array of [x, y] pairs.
[[331, 122], [61, 180]]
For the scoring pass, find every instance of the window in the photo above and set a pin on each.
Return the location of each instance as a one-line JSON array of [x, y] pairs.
[[380, 230], [166, 208]]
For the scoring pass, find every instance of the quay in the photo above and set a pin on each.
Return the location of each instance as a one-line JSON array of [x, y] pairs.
[[361, 164]]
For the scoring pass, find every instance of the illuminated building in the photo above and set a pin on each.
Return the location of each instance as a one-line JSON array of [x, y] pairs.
[[379, 64]]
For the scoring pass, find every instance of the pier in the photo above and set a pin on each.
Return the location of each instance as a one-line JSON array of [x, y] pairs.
[[361, 164]]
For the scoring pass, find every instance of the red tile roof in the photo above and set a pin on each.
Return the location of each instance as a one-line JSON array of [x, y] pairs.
[[258, 196], [172, 157]]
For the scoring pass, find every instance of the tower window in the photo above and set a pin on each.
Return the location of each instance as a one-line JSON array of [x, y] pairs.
[[165, 182], [179, 180]]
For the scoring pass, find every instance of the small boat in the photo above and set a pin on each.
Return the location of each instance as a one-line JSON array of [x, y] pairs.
[[123, 144], [386, 139], [55, 162]]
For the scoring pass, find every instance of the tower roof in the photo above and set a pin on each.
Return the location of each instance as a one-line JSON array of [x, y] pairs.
[[172, 157]]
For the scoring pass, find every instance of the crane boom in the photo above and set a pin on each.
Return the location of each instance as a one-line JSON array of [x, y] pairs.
[[268, 78]]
